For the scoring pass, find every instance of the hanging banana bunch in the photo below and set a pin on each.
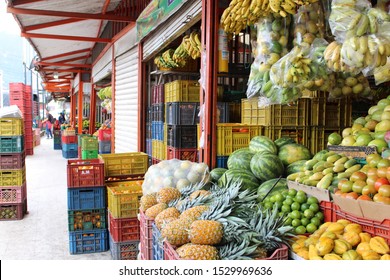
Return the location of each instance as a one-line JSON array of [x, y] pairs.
[[191, 43]]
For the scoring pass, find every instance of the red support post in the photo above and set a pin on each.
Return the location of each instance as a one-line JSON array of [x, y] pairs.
[[113, 88], [142, 100], [92, 110], [80, 108]]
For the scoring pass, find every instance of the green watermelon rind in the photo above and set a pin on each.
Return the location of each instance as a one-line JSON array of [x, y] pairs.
[[291, 153], [249, 180], [217, 173], [265, 187], [262, 143], [266, 166], [295, 167], [240, 159], [280, 142]]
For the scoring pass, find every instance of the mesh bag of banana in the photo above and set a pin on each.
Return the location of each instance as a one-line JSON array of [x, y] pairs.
[[382, 74], [352, 85]]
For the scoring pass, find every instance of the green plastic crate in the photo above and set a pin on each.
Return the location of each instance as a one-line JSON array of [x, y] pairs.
[[89, 143], [89, 154], [11, 144]]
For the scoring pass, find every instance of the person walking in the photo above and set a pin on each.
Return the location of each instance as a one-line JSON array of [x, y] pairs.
[[49, 124]]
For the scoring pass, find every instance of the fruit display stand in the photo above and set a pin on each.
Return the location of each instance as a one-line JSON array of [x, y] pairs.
[[359, 153]]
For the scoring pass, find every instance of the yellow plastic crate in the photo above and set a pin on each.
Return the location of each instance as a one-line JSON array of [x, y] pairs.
[[182, 91], [12, 177], [300, 135], [159, 149], [123, 198], [11, 127], [234, 136], [135, 163]]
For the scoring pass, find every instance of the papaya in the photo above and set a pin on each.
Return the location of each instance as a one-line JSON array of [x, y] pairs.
[[379, 245]]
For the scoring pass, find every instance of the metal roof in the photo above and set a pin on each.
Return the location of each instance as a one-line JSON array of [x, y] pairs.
[[64, 33]]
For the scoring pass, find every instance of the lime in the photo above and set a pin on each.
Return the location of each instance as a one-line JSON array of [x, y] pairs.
[[300, 198], [288, 222], [314, 207], [320, 216], [278, 197], [305, 206], [311, 228], [312, 200], [300, 230], [315, 221], [295, 206], [295, 214], [278, 204], [280, 214], [300, 192], [292, 192], [268, 205], [288, 201], [305, 221], [296, 222], [308, 213], [286, 208]]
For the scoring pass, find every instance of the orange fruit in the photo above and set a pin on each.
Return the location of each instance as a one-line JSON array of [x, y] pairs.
[[351, 195], [369, 189], [364, 197], [358, 175]]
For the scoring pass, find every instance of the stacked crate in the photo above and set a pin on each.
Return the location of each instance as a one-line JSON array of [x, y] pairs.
[[89, 147], [157, 146], [37, 133], [87, 215], [21, 95], [57, 141], [104, 138], [13, 187], [124, 173], [69, 143]]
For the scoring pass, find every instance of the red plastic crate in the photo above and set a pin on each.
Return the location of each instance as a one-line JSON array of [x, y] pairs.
[[29, 151], [279, 254], [327, 209], [85, 173], [146, 236], [155, 161], [69, 139], [13, 194], [374, 228], [182, 154], [12, 161], [124, 229], [104, 134], [170, 253], [16, 87]]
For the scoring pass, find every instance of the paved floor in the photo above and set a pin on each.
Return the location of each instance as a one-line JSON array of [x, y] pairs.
[[43, 232]]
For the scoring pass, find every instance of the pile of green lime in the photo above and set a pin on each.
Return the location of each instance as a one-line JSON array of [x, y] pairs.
[[303, 212]]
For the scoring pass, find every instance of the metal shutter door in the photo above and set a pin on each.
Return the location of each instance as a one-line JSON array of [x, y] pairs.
[[126, 102]]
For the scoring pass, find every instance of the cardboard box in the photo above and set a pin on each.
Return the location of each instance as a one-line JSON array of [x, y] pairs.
[[364, 209], [357, 152], [320, 194]]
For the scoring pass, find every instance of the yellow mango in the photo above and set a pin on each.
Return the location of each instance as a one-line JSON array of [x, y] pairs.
[[385, 257], [365, 237], [379, 245], [351, 255], [324, 225], [363, 246], [341, 246], [353, 227], [370, 255], [337, 228], [332, 257], [352, 238], [324, 246]]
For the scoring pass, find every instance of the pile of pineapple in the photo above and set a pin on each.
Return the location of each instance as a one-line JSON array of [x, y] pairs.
[[206, 221]]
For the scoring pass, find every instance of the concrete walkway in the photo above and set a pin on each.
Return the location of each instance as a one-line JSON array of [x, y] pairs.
[[43, 232]]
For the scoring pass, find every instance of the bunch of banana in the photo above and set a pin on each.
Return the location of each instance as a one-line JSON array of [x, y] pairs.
[[382, 74], [274, 94], [377, 17], [236, 17], [180, 56], [285, 7], [192, 45], [350, 85], [333, 58]]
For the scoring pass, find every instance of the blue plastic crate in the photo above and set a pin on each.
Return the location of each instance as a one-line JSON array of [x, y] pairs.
[[104, 147], [158, 131], [222, 161], [88, 241], [70, 154], [69, 147], [57, 146], [158, 248], [86, 198], [127, 250]]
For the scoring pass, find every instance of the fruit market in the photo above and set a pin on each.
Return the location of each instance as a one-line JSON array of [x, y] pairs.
[[199, 130]]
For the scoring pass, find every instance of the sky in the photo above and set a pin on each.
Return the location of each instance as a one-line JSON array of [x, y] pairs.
[[7, 21]]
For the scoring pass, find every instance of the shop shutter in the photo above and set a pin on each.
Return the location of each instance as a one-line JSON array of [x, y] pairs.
[[103, 67], [172, 28], [126, 102]]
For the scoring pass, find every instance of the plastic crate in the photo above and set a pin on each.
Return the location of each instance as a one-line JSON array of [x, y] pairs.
[[182, 113], [158, 244], [72, 139], [11, 144], [155, 161], [158, 94], [12, 177], [68, 132], [158, 131], [89, 143], [223, 112], [279, 254], [231, 137], [57, 133], [299, 134], [88, 241], [182, 136], [81, 136], [87, 219], [86, 198], [104, 134], [375, 228], [85, 173], [16, 87], [69, 147], [146, 236], [124, 229], [182, 154], [319, 138], [13, 194], [69, 154], [182, 91], [30, 152], [11, 127], [170, 253], [57, 146], [127, 250], [9, 212], [327, 209], [222, 161], [158, 112], [12, 161], [135, 163], [149, 147], [235, 112], [104, 147], [148, 131], [89, 154], [123, 198]]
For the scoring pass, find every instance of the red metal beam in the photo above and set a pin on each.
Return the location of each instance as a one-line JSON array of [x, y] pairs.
[[65, 54], [73, 59], [70, 70], [22, 2], [109, 17], [51, 24], [80, 107], [64, 37], [63, 64]]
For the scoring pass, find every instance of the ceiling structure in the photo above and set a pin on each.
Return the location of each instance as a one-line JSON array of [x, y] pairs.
[[64, 33]]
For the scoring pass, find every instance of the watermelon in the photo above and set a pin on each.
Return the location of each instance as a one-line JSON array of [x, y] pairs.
[[293, 152], [262, 143], [216, 173], [266, 166], [283, 141], [267, 185], [249, 181], [295, 167], [240, 159]]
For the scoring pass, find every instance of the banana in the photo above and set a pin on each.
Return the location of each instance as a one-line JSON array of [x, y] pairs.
[[373, 23], [363, 25], [363, 44], [354, 22]]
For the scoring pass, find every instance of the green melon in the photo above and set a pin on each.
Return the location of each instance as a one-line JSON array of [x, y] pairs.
[[248, 180], [216, 173], [266, 166], [283, 141], [240, 159], [295, 167], [293, 152], [267, 185], [261, 144]]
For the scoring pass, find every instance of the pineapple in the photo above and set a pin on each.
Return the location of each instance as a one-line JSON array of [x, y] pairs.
[[191, 251], [199, 193], [237, 250], [167, 194], [167, 215], [176, 232], [147, 201], [153, 211], [194, 212]]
